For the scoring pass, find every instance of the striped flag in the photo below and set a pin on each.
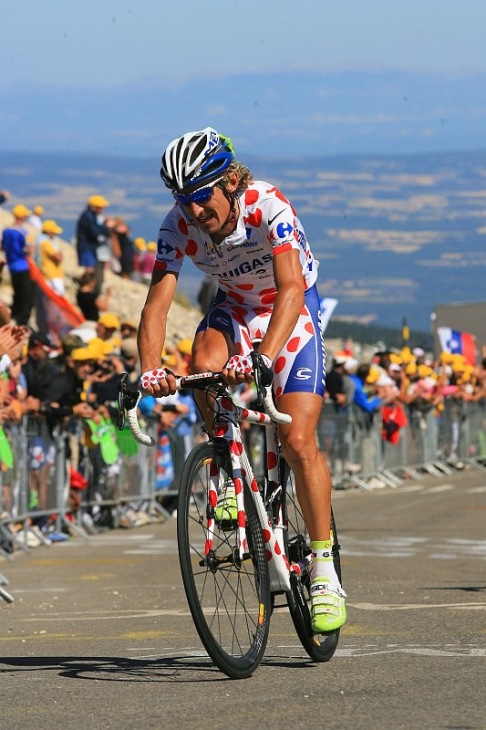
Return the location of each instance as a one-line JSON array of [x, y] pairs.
[[458, 343]]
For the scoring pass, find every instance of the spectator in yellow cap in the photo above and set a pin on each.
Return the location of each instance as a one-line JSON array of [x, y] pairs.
[[106, 327], [93, 232], [16, 245], [50, 256]]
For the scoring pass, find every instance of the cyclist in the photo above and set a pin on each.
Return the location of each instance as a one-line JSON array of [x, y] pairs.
[[247, 235]]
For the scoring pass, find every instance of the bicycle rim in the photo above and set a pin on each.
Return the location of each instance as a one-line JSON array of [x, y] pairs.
[[320, 647], [229, 598]]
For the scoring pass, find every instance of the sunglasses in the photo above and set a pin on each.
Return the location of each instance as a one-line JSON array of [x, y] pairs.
[[198, 196]]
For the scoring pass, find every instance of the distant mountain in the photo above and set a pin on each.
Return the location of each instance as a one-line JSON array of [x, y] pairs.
[[279, 114], [396, 235]]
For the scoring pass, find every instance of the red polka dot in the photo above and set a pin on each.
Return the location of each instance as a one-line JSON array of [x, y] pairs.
[[237, 297], [277, 549], [269, 555], [279, 364], [278, 392], [251, 197], [255, 218], [266, 534], [309, 327], [182, 225], [293, 344], [278, 194], [191, 248], [271, 459], [241, 519]]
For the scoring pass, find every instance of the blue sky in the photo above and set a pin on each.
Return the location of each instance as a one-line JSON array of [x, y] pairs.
[[106, 43]]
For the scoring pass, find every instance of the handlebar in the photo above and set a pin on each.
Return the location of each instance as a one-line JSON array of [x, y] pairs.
[[128, 401]]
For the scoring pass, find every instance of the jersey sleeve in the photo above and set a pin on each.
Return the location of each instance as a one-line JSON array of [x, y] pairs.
[[172, 243], [271, 210]]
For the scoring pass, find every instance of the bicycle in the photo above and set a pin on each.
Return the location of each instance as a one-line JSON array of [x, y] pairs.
[[233, 570]]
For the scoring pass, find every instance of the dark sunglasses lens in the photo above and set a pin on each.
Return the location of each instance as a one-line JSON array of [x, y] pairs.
[[198, 196]]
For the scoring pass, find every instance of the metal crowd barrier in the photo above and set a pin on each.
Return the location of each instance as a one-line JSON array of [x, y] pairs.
[[434, 442], [59, 478]]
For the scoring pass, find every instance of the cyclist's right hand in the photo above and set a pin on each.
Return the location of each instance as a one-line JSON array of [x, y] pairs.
[[157, 382]]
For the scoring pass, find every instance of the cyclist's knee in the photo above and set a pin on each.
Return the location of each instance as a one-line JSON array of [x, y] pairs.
[[299, 445]]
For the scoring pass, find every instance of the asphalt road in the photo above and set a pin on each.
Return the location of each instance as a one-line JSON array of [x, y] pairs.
[[99, 635]]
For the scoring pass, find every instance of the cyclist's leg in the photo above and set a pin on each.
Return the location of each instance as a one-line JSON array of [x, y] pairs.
[[313, 484]]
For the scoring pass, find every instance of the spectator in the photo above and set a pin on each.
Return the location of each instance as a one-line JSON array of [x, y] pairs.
[[207, 292], [128, 329], [16, 244], [93, 232], [140, 249], [122, 248], [35, 218], [339, 385], [129, 358], [89, 300], [50, 256], [148, 261], [4, 196]]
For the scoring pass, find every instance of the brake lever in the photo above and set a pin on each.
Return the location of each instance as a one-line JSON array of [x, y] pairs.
[[127, 399]]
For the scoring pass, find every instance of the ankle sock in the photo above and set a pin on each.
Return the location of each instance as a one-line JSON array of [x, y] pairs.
[[323, 564]]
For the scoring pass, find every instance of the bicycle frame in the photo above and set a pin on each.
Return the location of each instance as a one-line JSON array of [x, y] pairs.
[[227, 428]]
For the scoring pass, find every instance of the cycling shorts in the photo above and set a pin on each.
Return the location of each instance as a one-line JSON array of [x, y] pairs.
[[300, 367]]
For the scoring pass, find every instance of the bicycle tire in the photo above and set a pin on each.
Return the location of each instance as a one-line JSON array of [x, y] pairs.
[[229, 599], [320, 647]]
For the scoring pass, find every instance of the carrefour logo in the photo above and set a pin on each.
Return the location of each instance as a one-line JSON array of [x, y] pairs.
[[284, 230]]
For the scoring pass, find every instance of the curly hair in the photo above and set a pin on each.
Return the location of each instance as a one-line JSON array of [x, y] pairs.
[[244, 175]]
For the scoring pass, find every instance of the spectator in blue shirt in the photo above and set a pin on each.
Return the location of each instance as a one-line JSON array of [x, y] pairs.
[[16, 244]]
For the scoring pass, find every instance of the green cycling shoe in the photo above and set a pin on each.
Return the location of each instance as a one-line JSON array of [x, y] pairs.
[[328, 607]]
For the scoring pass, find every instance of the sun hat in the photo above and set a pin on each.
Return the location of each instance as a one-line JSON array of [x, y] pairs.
[[99, 348], [109, 320], [21, 211], [98, 201], [38, 210], [151, 246], [50, 226]]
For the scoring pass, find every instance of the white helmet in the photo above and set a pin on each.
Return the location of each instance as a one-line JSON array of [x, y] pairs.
[[196, 159]]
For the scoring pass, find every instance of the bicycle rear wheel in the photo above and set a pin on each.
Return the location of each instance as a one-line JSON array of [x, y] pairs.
[[320, 647], [229, 598]]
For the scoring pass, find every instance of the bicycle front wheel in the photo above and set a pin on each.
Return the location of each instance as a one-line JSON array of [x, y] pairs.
[[229, 596], [320, 647]]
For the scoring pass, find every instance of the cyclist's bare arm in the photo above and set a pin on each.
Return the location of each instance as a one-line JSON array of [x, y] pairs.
[[153, 327]]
